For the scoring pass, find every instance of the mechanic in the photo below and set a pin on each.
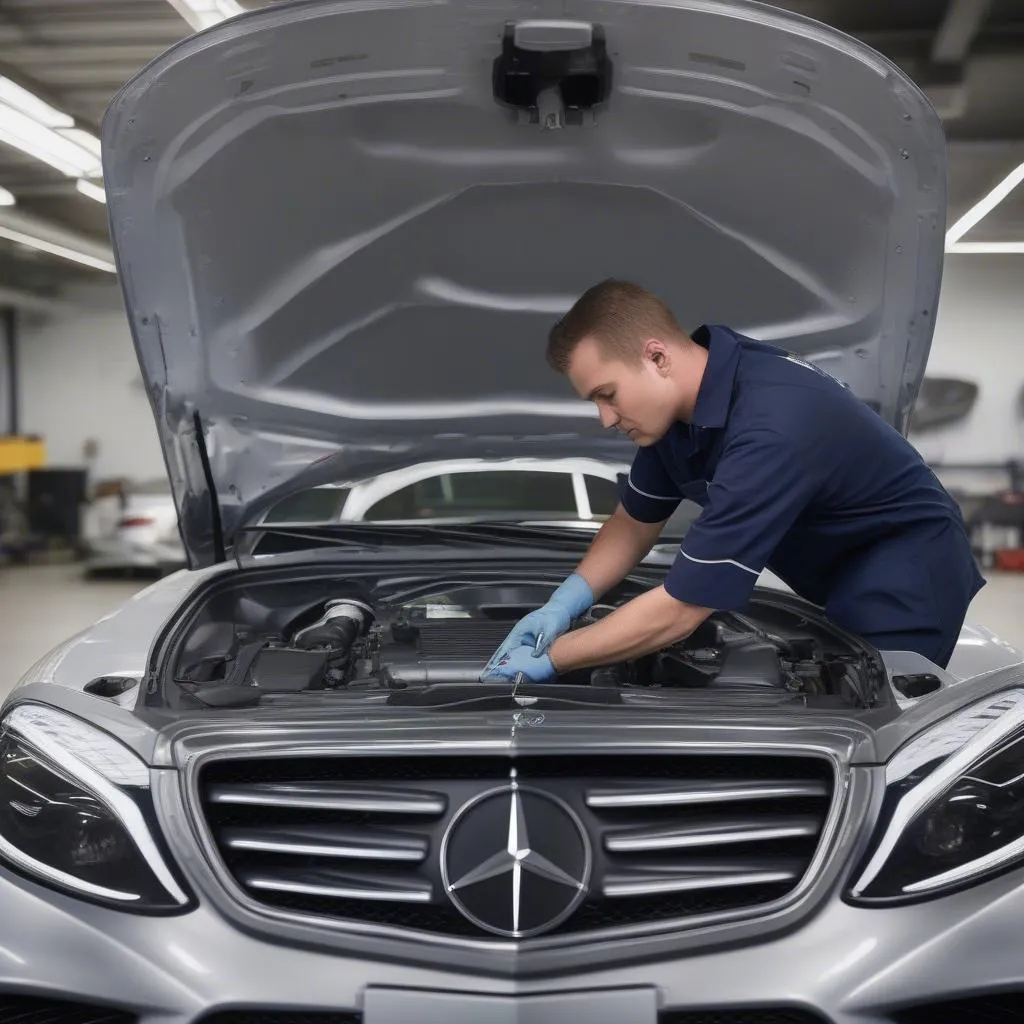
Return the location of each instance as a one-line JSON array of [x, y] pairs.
[[792, 472]]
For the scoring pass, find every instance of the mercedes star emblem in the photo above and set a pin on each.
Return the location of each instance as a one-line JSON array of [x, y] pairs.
[[531, 884]]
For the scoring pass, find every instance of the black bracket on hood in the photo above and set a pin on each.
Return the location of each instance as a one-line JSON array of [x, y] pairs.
[[211, 490], [552, 72]]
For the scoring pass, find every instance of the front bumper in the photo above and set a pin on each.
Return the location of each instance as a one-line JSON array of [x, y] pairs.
[[849, 965]]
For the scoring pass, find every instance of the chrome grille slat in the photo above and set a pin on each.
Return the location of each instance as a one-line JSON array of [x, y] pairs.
[[616, 886], [341, 887], [329, 842], [330, 797], [692, 793], [708, 832]]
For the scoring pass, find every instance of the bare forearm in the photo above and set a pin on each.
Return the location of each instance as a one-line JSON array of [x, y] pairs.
[[618, 548], [646, 624]]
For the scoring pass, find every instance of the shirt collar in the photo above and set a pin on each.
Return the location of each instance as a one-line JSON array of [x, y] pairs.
[[715, 394]]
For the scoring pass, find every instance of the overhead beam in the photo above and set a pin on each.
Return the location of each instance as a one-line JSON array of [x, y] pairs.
[[156, 34], [945, 79], [995, 38], [68, 79], [33, 56], [960, 25]]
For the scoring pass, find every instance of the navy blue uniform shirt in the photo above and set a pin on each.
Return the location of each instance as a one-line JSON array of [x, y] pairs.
[[795, 473]]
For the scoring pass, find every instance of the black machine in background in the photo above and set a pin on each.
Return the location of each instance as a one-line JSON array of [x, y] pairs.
[[53, 501]]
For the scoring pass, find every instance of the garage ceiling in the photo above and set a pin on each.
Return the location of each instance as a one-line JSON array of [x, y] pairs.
[[75, 54]]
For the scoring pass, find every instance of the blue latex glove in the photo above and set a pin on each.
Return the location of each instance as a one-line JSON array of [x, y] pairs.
[[539, 629], [536, 668]]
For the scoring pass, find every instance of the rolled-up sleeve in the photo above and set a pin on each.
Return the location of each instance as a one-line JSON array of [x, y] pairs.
[[648, 493], [762, 482]]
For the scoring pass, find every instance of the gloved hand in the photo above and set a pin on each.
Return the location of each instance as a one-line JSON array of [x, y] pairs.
[[539, 629], [536, 668]]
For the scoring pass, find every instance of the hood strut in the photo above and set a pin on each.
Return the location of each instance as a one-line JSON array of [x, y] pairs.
[[211, 490]]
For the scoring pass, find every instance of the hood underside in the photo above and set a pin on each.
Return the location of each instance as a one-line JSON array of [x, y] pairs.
[[346, 227]]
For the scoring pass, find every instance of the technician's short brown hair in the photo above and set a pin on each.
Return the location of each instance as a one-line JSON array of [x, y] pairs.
[[620, 315]]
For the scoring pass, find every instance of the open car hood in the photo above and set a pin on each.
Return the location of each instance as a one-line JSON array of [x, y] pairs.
[[344, 228]]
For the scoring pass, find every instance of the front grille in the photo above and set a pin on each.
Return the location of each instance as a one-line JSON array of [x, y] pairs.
[[671, 837], [1004, 1008], [765, 1016], [19, 1009]]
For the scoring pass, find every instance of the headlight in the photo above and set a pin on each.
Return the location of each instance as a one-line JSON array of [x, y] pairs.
[[76, 812], [953, 812]]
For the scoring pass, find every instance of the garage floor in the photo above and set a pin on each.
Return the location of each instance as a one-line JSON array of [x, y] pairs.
[[43, 605]]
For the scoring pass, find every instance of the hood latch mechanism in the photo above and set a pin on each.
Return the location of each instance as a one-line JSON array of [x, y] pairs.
[[554, 73]]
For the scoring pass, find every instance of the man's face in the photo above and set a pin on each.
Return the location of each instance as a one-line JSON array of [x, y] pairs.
[[637, 398]]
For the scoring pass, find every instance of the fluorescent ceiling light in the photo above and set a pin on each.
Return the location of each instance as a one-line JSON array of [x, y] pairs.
[[983, 247], [20, 131], [86, 140], [984, 206], [13, 95], [202, 14], [92, 190], [36, 128], [56, 250], [6, 199]]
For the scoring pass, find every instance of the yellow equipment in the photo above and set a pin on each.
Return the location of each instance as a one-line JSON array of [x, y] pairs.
[[20, 454]]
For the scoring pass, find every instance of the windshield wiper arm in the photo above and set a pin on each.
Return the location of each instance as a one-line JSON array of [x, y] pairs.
[[375, 534], [523, 533], [357, 535], [503, 532], [325, 535]]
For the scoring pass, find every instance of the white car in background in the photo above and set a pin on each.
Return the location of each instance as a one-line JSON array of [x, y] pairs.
[[583, 490], [135, 529], [579, 492], [139, 531]]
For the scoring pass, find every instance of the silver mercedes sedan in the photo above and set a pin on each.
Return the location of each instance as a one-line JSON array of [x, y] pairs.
[[270, 788]]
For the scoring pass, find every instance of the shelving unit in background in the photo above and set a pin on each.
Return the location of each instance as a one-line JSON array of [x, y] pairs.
[[994, 521]]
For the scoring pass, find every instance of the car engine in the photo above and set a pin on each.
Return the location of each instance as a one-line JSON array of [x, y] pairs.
[[389, 637]]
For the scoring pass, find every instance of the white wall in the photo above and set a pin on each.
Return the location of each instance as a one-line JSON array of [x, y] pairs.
[[79, 378], [979, 336]]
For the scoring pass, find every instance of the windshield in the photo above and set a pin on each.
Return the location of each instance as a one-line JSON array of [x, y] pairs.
[[511, 493], [562, 497]]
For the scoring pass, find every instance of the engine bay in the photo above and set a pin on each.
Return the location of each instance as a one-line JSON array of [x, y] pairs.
[[391, 635]]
